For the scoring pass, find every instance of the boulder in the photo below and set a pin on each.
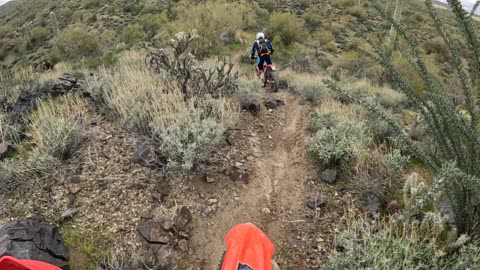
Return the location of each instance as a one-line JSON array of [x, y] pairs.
[[183, 218], [240, 175], [154, 233], [33, 239], [162, 190], [253, 106], [329, 176], [273, 102]]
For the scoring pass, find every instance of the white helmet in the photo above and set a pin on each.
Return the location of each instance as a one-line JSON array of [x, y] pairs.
[[260, 36]]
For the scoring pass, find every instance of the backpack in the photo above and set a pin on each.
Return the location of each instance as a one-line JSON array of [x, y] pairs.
[[263, 48]]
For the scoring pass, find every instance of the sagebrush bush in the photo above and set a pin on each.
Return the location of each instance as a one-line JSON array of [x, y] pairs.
[[8, 131], [184, 130], [395, 161], [288, 27], [339, 144], [74, 43], [364, 246], [56, 127], [311, 88], [456, 137]]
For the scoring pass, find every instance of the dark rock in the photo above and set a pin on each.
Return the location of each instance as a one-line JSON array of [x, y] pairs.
[[316, 202], [154, 233], [373, 205], [182, 245], [162, 190], [166, 257], [183, 218], [393, 207], [33, 239], [146, 157], [6, 149], [183, 235], [253, 106], [446, 210], [240, 176], [273, 102], [146, 215], [329, 176]]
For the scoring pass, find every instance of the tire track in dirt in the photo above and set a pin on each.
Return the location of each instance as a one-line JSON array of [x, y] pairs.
[[274, 197]]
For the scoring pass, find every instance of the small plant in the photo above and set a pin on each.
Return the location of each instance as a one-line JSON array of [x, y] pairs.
[[340, 144], [395, 161]]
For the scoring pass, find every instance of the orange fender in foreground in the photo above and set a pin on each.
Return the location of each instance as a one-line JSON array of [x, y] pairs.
[[10, 263], [247, 246]]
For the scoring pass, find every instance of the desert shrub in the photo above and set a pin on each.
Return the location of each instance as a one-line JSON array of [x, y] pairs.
[[56, 127], [288, 27], [357, 11], [361, 67], [131, 34], [324, 120], [249, 91], [123, 259], [364, 246], [436, 45], [91, 4], [152, 23], [309, 87], [8, 180], [8, 130], [466, 257], [395, 161], [345, 3], [313, 19], [183, 130], [39, 34], [76, 42], [339, 144], [269, 5], [210, 19], [456, 137]]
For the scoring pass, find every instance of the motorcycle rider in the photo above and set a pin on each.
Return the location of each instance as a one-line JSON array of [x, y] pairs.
[[264, 50]]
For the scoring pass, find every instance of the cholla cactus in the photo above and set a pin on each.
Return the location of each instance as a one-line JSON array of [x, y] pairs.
[[412, 189]]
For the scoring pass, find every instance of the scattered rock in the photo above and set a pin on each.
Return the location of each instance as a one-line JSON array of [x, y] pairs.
[[154, 233], [136, 185], [162, 257], [316, 202], [240, 176], [162, 190], [212, 201], [6, 149], [74, 188], [373, 205], [168, 225], [146, 215], [253, 106], [183, 218], [183, 235], [69, 213], [329, 176], [146, 157], [34, 239], [183, 245], [273, 102], [266, 210], [209, 210], [393, 207], [209, 179]]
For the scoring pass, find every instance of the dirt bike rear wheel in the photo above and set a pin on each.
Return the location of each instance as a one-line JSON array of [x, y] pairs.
[[274, 77]]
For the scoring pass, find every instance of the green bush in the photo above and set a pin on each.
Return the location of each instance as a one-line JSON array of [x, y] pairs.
[[310, 90], [437, 46], [152, 23], [313, 19], [74, 43], [39, 35], [325, 120], [288, 27], [357, 11], [132, 34], [340, 144]]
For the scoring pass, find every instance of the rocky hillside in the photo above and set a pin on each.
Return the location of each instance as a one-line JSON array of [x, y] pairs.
[[137, 134]]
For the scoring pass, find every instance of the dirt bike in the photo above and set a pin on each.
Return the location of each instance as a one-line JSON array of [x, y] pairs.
[[270, 76], [248, 248]]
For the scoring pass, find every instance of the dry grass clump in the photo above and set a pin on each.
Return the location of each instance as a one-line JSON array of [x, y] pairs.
[[184, 130], [55, 128]]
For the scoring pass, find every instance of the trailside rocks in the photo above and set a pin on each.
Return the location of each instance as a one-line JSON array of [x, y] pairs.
[[34, 239]]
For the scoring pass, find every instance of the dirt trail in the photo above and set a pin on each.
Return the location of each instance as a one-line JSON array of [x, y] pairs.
[[274, 198]]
